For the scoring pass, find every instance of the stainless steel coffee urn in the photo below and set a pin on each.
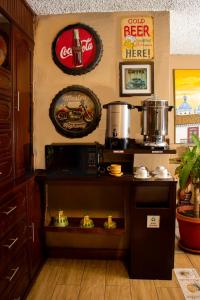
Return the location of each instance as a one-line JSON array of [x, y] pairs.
[[155, 121], [117, 124]]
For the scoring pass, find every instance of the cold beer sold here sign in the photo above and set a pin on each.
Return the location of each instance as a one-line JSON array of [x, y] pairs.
[[137, 38]]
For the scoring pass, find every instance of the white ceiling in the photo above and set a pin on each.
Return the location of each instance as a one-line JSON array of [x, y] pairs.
[[184, 16]]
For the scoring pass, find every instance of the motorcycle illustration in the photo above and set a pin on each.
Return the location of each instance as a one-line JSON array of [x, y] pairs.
[[73, 114]]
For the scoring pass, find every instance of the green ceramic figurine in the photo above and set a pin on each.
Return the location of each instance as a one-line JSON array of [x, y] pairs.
[[110, 224], [61, 220], [86, 222]]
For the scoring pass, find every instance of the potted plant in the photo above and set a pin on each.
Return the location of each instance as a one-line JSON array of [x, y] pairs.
[[188, 216]]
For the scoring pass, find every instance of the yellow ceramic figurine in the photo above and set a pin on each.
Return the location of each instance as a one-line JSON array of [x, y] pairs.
[[86, 222], [110, 224]]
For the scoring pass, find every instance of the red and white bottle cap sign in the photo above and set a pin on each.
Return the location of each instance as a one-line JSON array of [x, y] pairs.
[[64, 48], [77, 42]]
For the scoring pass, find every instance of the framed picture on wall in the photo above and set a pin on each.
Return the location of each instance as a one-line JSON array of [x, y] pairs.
[[187, 104], [136, 78]]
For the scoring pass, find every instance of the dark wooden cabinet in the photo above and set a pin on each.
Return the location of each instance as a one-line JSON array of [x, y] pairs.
[[16, 25], [21, 249], [152, 228], [15, 279], [13, 207], [13, 240], [97, 196], [20, 213], [145, 217], [35, 227], [6, 137], [5, 82], [22, 58]]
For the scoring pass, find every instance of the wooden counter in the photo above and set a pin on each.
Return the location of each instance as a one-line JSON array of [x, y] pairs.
[[150, 251]]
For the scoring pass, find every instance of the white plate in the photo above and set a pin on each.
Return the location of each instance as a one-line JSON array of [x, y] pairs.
[[138, 177], [161, 177]]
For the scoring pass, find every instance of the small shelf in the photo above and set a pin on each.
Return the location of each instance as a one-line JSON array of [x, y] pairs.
[[74, 226], [137, 149]]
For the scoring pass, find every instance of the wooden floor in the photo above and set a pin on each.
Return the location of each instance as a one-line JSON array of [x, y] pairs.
[[62, 279]]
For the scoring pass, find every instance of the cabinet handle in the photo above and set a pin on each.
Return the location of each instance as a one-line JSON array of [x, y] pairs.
[[13, 274], [8, 212], [1, 173], [13, 242], [33, 231], [18, 101]]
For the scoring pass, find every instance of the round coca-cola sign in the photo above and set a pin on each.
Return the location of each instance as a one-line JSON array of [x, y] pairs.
[[77, 49]]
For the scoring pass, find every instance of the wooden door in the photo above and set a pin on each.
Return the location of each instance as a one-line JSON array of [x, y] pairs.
[[6, 115], [22, 103]]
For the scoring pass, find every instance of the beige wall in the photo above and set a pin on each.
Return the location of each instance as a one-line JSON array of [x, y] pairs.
[[103, 80], [175, 62]]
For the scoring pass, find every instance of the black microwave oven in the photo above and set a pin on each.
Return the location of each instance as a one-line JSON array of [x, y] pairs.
[[73, 159]]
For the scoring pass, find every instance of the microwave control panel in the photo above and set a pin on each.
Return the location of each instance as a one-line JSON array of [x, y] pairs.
[[92, 159]]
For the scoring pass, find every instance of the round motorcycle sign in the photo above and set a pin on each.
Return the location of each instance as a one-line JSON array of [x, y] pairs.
[[75, 111]]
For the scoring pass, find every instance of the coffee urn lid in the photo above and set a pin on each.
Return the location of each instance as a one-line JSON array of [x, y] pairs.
[[155, 101], [118, 103]]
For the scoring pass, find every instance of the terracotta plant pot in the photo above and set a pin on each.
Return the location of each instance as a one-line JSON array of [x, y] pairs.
[[189, 228]]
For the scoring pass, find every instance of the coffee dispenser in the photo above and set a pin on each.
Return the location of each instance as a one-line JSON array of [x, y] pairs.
[[155, 121], [117, 124]]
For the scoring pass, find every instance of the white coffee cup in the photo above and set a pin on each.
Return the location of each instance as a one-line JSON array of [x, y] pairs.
[[159, 169], [163, 173], [140, 169], [142, 173]]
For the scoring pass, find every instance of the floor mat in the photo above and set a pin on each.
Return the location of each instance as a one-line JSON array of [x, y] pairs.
[[189, 281]]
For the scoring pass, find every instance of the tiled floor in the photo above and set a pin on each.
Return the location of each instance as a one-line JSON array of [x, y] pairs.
[[73, 279], [64, 279]]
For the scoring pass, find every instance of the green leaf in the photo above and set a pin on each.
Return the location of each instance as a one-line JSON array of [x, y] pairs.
[[185, 172], [189, 168], [185, 175], [195, 140]]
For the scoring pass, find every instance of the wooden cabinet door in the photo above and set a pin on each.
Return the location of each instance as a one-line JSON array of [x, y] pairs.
[[22, 62], [6, 144], [36, 238], [6, 136]]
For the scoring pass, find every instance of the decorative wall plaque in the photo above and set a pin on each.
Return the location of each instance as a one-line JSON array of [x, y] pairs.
[[77, 49], [75, 111], [137, 38]]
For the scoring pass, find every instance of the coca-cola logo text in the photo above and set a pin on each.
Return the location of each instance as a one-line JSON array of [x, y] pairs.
[[86, 45]]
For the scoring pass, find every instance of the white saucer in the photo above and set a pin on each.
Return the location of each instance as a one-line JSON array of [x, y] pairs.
[[155, 173], [161, 177], [138, 177], [117, 174]]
